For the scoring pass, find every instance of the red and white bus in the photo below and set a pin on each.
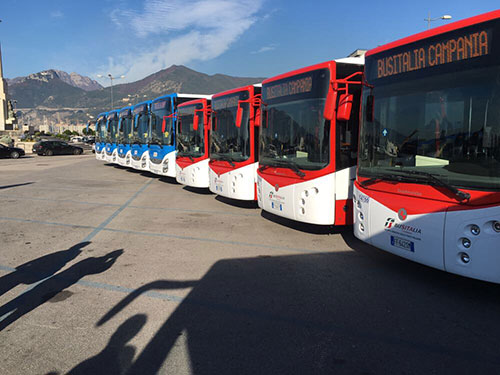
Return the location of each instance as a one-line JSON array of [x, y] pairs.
[[308, 142], [234, 143], [428, 183], [193, 125]]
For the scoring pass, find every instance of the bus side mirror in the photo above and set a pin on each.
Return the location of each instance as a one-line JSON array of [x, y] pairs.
[[136, 119], [196, 121], [257, 117], [264, 113], [329, 111], [344, 107], [239, 116], [214, 122], [164, 124], [369, 108]]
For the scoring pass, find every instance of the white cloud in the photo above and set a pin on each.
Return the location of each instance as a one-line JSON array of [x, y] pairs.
[[56, 14], [195, 30], [268, 48]]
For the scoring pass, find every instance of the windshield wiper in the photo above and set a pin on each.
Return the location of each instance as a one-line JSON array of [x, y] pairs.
[[182, 154], [225, 158], [459, 194], [285, 164]]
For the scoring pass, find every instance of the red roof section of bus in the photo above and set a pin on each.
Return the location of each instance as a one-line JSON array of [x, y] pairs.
[[195, 101], [326, 64], [239, 89], [436, 31]]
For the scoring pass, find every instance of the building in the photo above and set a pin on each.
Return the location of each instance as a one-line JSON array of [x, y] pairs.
[[7, 116]]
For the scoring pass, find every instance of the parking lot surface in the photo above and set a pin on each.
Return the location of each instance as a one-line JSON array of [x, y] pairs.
[[105, 270]]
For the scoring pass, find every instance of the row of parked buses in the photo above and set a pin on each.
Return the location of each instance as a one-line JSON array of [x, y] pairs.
[[425, 111]]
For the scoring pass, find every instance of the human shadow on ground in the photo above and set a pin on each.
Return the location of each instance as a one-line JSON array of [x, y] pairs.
[[39, 268], [49, 288], [117, 356], [327, 313], [15, 185]]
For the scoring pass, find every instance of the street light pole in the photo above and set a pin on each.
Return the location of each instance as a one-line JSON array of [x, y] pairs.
[[111, 78], [429, 19]]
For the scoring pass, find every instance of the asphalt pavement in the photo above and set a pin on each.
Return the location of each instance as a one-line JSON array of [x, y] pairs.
[[106, 270]]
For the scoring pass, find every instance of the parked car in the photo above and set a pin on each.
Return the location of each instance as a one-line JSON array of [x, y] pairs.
[[10, 152], [50, 148]]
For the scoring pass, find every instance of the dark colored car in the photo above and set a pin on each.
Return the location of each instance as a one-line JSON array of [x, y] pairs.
[[11, 152], [50, 148]]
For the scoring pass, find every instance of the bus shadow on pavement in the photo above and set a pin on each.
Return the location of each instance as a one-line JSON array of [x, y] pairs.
[[325, 313], [46, 283], [304, 227], [237, 203]]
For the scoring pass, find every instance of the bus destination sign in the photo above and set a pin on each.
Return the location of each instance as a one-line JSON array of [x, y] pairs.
[[140, 109], [159, 105], [450, 50], [290, 87]]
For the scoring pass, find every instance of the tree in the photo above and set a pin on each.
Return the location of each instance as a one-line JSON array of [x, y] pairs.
[[67, 132]]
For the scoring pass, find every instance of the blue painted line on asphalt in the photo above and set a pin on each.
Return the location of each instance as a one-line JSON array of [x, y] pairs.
[[46, 222], [130, 206], [167, 235], [115, 214], [6, 196]]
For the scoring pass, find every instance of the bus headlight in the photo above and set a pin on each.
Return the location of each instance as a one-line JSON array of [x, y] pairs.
[[165, 166], [466, 243], [464, 257], [496, 226], [474, 229]]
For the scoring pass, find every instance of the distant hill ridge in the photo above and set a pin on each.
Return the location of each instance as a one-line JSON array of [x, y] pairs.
[[58, 89]]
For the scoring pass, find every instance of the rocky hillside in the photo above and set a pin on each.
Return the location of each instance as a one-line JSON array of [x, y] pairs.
[[54, 91]]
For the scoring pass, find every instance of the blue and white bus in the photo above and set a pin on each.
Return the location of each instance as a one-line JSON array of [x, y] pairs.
[[111, 135], [140, 136], [163, 140], [124, 154], [100, 136]]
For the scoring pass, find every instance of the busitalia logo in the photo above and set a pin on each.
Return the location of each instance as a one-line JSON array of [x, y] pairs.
[[389, 222]]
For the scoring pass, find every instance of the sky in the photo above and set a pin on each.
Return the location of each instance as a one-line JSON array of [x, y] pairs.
[[247, 38]]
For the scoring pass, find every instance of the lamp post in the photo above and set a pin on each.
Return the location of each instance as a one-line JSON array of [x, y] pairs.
[[445, 17], [111, 78]]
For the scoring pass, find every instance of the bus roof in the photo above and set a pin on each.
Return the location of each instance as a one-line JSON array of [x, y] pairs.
[[196, 101], [436, 31], [327, 64], [243, 88], [182, 95], [147, 102]]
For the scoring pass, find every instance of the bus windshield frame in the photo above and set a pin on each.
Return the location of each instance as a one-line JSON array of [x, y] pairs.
[[140, 128], [229, 142], [111, 134], [101, 133], [190, 142], [125, 127], [294, 130], [159, 109], [442, 120]]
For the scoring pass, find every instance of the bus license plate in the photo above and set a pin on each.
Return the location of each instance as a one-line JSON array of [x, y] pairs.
[[403, 243]]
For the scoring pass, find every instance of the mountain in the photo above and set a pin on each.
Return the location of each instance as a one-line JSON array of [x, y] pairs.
[[76, 80], [56, 96], [72, 79]]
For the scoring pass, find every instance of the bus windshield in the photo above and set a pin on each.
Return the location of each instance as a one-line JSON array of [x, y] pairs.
[[294, 130], [190, 142], [125, 127], [159, 110], [447, 125], [100, 129], [112, 128], [140, 129], [228, 141]]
